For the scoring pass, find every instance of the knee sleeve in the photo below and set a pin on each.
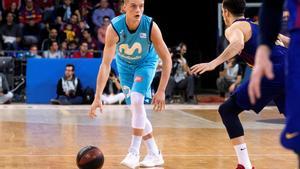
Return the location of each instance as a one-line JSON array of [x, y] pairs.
[[229, 112], [148, 127], [138, 111]]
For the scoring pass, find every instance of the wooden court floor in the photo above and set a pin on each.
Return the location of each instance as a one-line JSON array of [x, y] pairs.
[[190, 137]]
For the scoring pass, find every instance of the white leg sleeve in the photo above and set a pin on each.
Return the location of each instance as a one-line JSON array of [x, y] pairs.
[[138, 111], [148, 128]]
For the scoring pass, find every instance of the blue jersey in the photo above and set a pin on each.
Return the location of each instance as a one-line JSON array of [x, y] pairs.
[[294, 18], [270, 89], [134, 47], [249, 51]]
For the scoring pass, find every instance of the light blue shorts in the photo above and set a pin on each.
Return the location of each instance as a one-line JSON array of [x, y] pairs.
[[137, 78]]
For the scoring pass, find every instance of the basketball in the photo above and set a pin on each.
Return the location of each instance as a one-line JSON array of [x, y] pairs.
[[90, 157]]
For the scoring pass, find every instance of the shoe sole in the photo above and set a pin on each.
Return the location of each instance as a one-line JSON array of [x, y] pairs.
[[158, 165], [130, 166]]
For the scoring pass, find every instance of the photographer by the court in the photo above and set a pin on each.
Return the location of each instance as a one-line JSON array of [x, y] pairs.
[[5, 94], [113, 90], [181, 77], [69, 88]]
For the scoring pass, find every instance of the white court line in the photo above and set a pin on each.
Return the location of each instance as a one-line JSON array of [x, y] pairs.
[[165, 155], [196, 117], [114, 107]]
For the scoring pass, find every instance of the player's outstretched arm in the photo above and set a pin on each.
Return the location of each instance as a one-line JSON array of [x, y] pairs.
[[163, 52], [108, 55], [235, 37]]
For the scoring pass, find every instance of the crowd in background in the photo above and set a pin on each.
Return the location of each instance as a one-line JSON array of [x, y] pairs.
[[76, 29], [55, 28]]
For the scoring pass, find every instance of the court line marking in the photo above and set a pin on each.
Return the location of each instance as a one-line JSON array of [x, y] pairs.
[[219, 125], [196, 117], [64, 111], [118, 107], [165, 155]]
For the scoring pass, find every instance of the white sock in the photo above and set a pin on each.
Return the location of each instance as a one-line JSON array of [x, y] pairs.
[[135, 144], [151, 146], [242, 155]]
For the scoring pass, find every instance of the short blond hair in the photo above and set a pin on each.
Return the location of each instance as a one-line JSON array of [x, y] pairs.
[[125, 1]]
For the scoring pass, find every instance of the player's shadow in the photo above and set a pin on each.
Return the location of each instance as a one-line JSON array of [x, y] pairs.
[[273, 121]]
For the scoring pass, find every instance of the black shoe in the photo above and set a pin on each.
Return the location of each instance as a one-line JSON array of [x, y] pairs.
[[55, 102], [7, 102]]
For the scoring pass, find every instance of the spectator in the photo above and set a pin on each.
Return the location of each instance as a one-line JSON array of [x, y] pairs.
[[53, 36], [69, 88], [74, 21], [181, 77], [83, 26], [102, 31], [13, 8], [5, 94], [97, 4], [86, 4], [33, 52], [70, 34], [102, 11], [72, 47], [53, 52], [64, 48], [66, 10], [6, 4], [92, 42], [47, 7], [31, 33], [30, 15], [113, 91], [86, 16], [118, 7], [30, 19], [44, 32], [11, 33], [58, 24], [83, 52], [229, 77]]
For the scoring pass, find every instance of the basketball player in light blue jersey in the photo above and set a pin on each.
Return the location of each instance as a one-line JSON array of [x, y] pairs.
[[134, 39]]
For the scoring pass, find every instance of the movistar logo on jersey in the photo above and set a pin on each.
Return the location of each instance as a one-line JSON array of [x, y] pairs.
[[133, 53]]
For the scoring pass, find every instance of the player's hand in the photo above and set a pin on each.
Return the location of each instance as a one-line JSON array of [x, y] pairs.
[[158, 101], [263, 67], [97, 103], [202, 67]]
